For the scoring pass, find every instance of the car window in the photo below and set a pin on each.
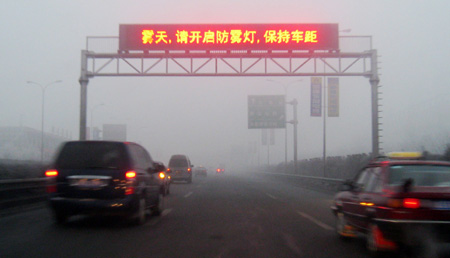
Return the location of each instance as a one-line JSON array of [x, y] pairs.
[[422, 175], [374, 181], [147, 159], [91, 155], [136, 156], [178, 162], [362, 179]]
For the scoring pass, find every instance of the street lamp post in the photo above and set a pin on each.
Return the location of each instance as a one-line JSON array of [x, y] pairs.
[[285, 129], [42, 113], [294, 121], [92, 119]]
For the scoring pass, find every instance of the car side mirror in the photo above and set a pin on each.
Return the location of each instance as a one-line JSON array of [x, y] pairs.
[[348, 185], [159, 167]]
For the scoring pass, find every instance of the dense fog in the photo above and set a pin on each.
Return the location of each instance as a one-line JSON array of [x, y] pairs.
[[206, 117]]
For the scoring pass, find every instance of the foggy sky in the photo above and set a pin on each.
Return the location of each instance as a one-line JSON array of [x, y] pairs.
[[206, 118]]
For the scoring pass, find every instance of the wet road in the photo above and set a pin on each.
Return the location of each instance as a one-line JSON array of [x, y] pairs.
[[229, 215]]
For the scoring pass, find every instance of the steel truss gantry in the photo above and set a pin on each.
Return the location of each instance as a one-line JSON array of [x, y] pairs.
[[231, 63]]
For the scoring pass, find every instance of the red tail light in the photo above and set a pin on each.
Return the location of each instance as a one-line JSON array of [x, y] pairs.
[[162, 175], [51, 173], [51, 187], [189, 170], [411, 203], [168, 170], [130, 175], [129, 190]]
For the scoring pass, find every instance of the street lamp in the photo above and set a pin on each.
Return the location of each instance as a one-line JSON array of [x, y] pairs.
[[285, 85], [294, 121], [42, 113], [92, 118]]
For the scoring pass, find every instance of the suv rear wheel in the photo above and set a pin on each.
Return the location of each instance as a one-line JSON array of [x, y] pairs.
[[139, 217], [159, 207], [60, 217]]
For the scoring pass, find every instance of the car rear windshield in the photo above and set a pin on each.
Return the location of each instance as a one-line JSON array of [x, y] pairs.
[[182, 162], [422, 175], [92, 155]]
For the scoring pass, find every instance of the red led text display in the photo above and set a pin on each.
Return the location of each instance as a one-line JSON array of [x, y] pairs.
[[228, 37]]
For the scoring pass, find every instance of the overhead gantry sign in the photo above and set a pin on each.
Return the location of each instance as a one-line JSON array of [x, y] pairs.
[[229, 50], [228, 37]]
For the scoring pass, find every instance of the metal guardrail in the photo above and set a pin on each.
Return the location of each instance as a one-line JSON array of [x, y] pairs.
[[323, 183], [19, 192]]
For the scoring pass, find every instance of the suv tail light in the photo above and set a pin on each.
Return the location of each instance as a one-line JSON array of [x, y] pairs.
[[168, 170], [189, 170], [51, 185], [51, 173], [130, 175], [162, 175], [130, 178]]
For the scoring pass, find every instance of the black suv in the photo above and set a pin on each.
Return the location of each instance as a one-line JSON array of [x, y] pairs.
[[106, 178]]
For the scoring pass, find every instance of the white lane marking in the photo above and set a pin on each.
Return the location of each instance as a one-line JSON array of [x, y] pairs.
[[165, 212], [271, 196], [292, 244], [317, 222], [188, 194], [156, 220]]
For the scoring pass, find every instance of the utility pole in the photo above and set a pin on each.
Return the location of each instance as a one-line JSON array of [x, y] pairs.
[[294, 104]]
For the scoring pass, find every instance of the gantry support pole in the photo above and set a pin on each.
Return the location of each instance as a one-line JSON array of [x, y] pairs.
[[374, 80], [84, 80]]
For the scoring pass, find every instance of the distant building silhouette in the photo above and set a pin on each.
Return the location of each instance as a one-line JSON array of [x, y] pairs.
[[24, 143]]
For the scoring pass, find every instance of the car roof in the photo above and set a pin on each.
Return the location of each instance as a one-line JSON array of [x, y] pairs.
[[391, 162], [97, 142], [178, 156]]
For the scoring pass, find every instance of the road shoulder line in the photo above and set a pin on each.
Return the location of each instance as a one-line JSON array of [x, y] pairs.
[[317, 222]]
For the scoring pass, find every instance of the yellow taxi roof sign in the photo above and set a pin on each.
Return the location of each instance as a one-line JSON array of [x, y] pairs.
[[404, 155]]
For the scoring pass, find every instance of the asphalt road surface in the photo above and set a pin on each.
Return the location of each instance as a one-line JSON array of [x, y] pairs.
[[228, 215]]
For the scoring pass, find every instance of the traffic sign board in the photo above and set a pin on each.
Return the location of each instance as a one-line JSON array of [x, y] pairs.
[[266, 111]]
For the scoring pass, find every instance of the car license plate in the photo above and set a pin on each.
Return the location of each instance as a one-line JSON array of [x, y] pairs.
[[88, 181], [442, 205]]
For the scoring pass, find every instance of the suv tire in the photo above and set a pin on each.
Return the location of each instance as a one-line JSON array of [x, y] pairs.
[[60, 217], [159, 207], [139, 217]]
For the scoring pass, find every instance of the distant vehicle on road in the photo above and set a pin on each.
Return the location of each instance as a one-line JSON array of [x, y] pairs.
[[220, 170], [104, 177], [164, 178], [180, 168], [397, 201], [200, 171]]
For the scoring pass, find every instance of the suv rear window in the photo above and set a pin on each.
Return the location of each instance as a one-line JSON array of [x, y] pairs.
[[181, 162], [78, 155], [423, 175]]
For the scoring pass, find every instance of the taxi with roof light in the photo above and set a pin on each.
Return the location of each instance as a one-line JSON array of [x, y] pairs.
[[397, 201]]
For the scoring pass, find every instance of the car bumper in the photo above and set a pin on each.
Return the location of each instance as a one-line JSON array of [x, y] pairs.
[[411, 230], [74, 206], [179, 177]]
